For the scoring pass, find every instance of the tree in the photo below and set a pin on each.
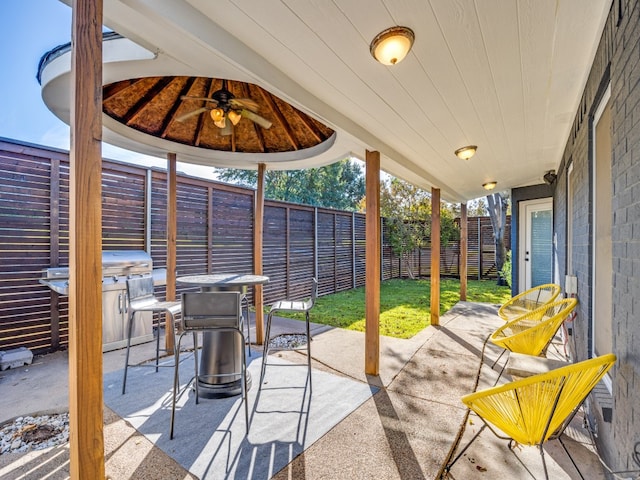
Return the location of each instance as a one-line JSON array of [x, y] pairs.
[[498, 204], [407, 212], [477, 207], [339, 185]]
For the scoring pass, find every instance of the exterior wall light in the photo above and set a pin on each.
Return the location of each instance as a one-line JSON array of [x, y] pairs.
[[392, 45], [465, 153], [550, 177]]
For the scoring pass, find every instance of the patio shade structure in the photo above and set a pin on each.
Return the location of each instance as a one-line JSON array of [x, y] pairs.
[[149, 112], [174, 108], [172, 113], [156, 106], [171, 116], [415, 115]]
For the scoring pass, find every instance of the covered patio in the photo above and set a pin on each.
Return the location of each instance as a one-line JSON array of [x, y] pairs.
[[406, 428], [518, 106]]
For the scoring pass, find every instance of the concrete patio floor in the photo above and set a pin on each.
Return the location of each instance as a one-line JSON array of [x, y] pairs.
[[404, 431]]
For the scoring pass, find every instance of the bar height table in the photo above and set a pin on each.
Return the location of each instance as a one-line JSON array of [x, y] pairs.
[[220, 352]]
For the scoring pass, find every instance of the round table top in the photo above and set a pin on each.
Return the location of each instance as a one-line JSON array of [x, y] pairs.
[[222, 280]]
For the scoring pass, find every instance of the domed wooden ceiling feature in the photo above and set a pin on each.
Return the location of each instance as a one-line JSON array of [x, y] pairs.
[[153, 104]]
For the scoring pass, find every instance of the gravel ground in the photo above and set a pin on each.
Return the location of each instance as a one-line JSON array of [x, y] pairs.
[[288, 341], [34, 433]]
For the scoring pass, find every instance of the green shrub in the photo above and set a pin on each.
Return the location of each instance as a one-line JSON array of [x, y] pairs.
[[505, 273]]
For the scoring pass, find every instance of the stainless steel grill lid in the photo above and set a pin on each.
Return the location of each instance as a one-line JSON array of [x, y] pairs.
[[116, 266], [126, 262]]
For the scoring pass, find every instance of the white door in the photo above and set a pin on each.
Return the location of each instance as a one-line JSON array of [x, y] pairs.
[[536, 242]]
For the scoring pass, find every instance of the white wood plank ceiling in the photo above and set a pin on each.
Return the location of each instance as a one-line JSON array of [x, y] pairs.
[[505, 75]]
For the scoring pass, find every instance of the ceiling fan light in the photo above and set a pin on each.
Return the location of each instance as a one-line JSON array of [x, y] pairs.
[[217, 114], [392, 45], [234, 116], [489, 185], [465, 153], [220, 123]]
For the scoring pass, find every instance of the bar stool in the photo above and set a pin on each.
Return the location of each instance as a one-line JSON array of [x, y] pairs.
[[270, 343], [142, 299], [211, 312]]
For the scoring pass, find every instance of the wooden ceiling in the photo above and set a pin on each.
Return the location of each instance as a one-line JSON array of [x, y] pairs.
[[152, 104]]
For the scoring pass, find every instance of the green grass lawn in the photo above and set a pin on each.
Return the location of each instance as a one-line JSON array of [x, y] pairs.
[[404, 304]]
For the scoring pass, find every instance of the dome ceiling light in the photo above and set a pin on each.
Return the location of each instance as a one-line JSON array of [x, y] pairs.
[[392, 45], [465, 153], [489, 185]]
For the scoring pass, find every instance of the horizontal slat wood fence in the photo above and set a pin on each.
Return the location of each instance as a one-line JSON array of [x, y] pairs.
[[215, 234]]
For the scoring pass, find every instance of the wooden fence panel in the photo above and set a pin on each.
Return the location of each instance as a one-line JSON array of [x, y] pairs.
[[192, 249], [360, 246], [215, 234], [275, 246], [326, 243], [301, 252], [232, 248], [123, 212], [343, 252], [25, 232]]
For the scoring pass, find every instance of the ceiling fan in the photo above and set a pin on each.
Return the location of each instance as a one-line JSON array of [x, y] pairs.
[[226, 110]]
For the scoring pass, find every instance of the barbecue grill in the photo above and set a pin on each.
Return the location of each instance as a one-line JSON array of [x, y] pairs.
[[117, 266]]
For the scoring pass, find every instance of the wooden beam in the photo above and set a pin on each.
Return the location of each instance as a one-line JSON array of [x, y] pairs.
[[146, 99], [372, 266], [171, 114], [86, 440], [258, 227], [282, 120], [463, 251], [435, 256], [172, 232]]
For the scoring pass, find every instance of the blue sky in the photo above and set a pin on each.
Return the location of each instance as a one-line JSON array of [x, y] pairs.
[[29, 29]]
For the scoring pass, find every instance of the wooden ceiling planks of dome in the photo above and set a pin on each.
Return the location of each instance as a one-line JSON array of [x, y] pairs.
[[153, 105]]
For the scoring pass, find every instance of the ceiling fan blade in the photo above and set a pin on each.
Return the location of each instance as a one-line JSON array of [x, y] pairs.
[[202, 99], [195, 112], [247, 103], [254, 117]]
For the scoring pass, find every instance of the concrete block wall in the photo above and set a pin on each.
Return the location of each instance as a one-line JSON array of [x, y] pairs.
[[625, 96], [616, 63]]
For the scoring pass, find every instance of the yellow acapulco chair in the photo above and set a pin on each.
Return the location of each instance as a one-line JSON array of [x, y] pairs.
[[537, 408], [532, 332], [529, 300]]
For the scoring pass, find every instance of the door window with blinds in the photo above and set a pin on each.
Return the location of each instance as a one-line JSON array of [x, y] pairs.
[[536, 237]]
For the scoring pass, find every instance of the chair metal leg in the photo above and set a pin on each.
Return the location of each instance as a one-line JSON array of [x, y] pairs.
[[265, 349], [195, 357], [569, 455], [309, 350], [245, 308], [245, 397], [544, 463], [450, 464], [126, 361], [176, 384], [158, 344]]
